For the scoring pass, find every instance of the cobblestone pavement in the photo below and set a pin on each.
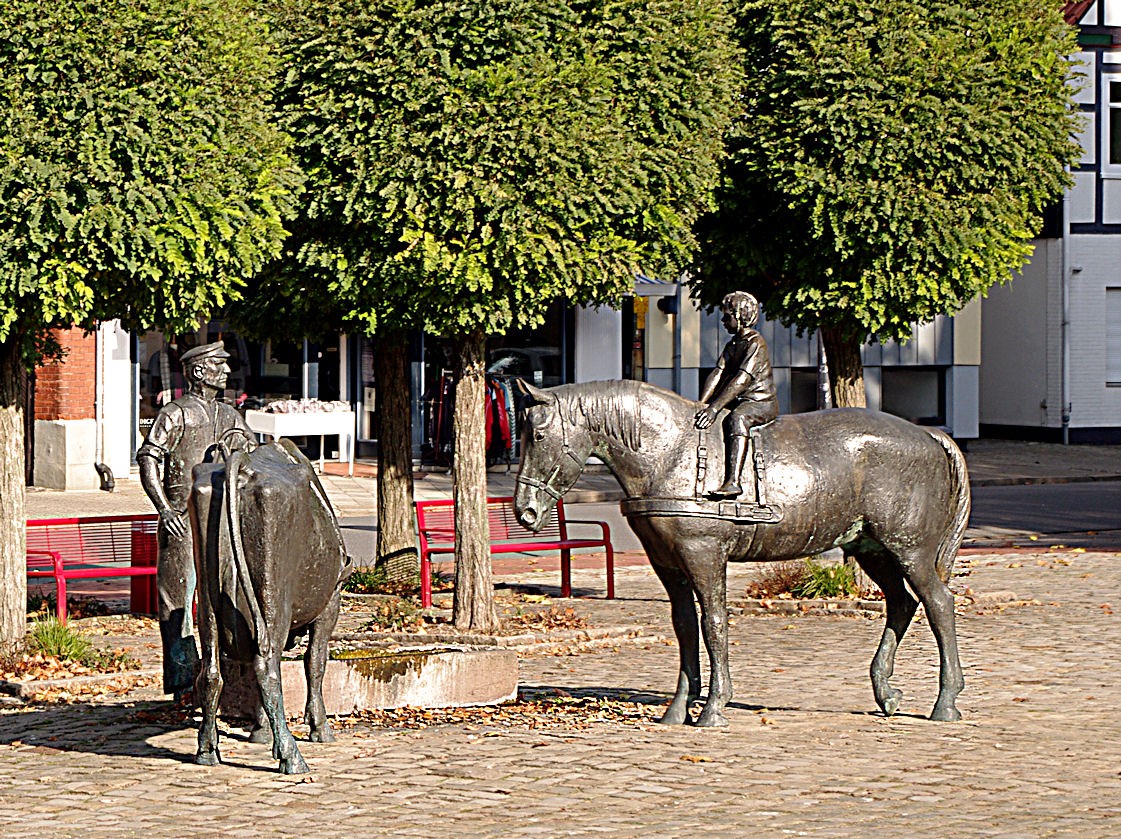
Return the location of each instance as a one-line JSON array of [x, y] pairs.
[[1038, 753]]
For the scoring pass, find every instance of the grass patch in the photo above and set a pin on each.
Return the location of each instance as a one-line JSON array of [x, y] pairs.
[[51, 639], [824, 581], [804, 579], [373, 579]]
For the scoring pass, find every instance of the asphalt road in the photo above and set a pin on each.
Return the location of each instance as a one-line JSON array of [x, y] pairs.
[[1080, 514]]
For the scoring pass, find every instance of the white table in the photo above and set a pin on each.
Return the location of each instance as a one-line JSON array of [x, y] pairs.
[[309, 425]]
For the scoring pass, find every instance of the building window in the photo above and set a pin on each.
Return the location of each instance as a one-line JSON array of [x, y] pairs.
[[1111, 125], [1113, 337]]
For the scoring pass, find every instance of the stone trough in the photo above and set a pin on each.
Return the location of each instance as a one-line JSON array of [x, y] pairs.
[[359, 680]]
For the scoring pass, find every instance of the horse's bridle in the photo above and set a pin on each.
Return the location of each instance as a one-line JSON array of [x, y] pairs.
[[546, 485]]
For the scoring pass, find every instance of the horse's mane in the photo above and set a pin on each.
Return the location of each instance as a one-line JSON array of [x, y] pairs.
[[609, 408]]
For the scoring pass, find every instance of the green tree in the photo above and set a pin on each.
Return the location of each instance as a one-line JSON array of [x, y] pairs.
[[471, 162], [892, 163], [141, 178]]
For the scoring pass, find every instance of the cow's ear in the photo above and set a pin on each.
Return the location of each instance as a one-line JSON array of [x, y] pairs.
[[532, 395]]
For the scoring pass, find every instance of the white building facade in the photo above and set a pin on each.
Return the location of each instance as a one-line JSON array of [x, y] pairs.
[[1052, 337]]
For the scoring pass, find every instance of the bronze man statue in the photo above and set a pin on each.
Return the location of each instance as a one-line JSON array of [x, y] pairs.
[[185, 433], [743, 382]]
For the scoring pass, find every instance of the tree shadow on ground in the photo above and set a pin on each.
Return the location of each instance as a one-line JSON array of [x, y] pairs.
[[111, 730]]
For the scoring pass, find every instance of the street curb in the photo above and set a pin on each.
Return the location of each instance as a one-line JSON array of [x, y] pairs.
[[1032, 481], [25, 690]]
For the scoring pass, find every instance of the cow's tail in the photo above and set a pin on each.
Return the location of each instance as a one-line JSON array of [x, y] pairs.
[[960, 502], [234, 463]]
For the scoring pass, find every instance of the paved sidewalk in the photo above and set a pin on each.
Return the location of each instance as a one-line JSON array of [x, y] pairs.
[[1037, 753]]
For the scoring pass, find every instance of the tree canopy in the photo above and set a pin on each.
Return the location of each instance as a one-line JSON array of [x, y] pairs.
[[468, 162], [893, 160], [141, 176]]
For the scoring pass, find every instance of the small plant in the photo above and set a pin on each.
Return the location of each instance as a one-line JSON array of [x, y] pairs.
[[53, 639], [373, 579], [397, 614], [369, 579], [823, 580], [777, 579]]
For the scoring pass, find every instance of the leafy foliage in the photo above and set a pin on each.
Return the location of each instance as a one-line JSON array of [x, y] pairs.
[[826, 580], [894, 158], [470, 162], [140, 176]]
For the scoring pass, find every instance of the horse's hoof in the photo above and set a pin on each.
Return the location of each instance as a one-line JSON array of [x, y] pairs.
[[714, 720], [294, 765], [950, 714], [260, 735], [208, 758], [321, 735], [890, 703]]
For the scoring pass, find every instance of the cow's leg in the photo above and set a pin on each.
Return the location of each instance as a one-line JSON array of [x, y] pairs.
[[209, 683], [315, 663], [267, 666], [262, 728]]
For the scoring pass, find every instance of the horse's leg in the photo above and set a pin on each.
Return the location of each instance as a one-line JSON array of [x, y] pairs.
[[885, 572], [684, 613], [938, 601], [315, 664], [710, 582]]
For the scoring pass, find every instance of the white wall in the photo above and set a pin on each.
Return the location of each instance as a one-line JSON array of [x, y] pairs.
[[1015, 343], [114, 396], [599, 344], [1099, 257]]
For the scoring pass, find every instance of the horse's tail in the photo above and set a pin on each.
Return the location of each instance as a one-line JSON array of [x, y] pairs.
[[961, 500]]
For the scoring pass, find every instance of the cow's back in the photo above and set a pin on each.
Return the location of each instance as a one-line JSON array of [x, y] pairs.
[[290, 540]]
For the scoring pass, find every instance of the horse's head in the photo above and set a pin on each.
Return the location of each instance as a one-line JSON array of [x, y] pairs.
[[553, 455]]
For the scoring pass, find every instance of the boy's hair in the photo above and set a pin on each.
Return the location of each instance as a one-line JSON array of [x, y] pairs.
[[744, 305]]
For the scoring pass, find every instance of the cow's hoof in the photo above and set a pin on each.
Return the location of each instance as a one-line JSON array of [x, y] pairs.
[[208, 758], [294, 765], [322, 735], [260, 735]]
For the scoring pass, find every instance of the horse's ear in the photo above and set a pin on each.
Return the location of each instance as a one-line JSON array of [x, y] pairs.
[[532, 395]]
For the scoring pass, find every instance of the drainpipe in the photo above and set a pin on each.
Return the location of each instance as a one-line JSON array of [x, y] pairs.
[[1064, 381]]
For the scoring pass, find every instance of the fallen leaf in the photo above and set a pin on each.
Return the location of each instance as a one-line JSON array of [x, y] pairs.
[[696, 758]]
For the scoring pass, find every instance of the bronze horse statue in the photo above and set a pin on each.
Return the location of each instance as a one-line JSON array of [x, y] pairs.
[[893, 495]]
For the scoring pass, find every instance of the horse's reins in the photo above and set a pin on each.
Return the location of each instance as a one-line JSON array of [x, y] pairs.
[[546, 485]]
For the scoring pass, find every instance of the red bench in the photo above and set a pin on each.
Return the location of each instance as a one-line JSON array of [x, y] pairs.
[[436, 526], [92, 547]]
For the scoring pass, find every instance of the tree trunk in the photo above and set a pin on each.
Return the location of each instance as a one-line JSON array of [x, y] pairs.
[[846, 371], [13, 520], [397, 540], [473, 606]]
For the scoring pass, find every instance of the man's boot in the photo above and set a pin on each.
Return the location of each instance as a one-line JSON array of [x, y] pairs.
[[737, 454]]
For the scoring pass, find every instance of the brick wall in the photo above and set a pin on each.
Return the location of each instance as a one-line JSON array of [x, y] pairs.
[[66, 389]]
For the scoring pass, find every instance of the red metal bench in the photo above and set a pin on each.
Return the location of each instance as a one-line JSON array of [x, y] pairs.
[[436, 526], [96, 546]]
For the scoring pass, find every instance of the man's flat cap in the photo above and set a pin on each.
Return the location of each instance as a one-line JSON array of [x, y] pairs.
[[205, 352]]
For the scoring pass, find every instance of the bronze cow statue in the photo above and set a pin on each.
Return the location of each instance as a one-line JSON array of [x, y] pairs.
[[271, 563]]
